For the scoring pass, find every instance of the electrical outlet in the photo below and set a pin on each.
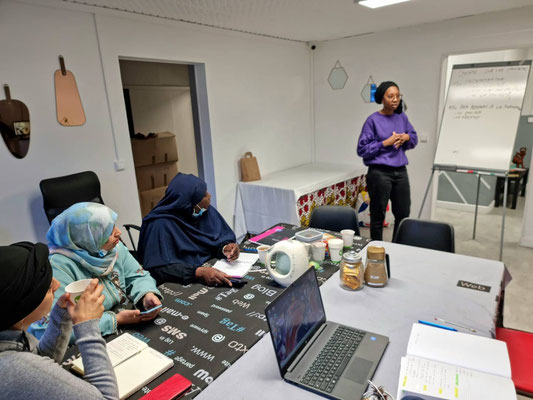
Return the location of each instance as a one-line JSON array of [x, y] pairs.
[[423, 139]]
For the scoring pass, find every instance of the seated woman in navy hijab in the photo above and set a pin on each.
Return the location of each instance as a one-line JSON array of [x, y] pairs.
[[182, 232]]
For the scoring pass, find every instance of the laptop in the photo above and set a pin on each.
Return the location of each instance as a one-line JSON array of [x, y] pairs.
[[324, 357]]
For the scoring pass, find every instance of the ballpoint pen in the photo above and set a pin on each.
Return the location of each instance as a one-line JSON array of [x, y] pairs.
[[456, 324], [437, 325]]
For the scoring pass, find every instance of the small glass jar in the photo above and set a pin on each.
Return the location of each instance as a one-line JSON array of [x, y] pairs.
[[351, 271], [375, 269]]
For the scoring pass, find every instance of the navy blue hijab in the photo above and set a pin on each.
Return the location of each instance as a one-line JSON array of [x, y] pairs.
[[170, 234]]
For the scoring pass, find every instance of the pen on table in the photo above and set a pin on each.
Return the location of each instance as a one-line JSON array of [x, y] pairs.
[[437, 325], [456, 324]]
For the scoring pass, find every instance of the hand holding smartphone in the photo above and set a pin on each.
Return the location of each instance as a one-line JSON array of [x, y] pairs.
[[151, 309]]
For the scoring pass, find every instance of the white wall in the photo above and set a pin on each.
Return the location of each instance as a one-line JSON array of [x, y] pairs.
[[412, 57], [258, 92]]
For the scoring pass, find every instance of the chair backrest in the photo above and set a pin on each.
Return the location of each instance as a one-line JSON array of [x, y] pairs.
[[62, 192], [334, 218], [428, 234]]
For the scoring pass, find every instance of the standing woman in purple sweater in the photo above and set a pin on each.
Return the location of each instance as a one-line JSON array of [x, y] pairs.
[[385, 137]]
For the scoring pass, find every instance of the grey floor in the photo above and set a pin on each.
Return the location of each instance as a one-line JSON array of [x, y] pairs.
[[518, 259]]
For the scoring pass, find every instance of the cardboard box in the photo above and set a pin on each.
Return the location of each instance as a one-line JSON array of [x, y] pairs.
[[160, 149], [156, 175], [149, 198]]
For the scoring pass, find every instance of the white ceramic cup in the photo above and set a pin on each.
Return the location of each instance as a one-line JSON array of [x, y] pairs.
[[347, 237], [77, 288], [262, 252], [335, 249], [318, 250]]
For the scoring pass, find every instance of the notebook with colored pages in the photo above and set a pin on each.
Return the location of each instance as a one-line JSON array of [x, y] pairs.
[[442, 364], [135, 363]]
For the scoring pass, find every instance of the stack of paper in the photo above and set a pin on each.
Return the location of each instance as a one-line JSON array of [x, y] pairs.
[[239, 267]]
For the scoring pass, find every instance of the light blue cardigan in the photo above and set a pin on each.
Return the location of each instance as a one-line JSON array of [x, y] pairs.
[[134, 281]]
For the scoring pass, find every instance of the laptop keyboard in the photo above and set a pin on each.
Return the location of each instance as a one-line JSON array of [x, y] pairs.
[[330, 363]]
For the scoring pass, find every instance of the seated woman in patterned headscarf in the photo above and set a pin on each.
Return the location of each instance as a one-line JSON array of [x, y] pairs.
[[182, 232], [84, 243], [30, 368]]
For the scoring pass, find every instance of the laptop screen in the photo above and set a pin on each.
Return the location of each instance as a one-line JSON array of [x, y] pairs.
[[294, 316]]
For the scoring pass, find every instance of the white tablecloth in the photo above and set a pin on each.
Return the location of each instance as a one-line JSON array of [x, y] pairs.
[[423, 286], [261, 204]]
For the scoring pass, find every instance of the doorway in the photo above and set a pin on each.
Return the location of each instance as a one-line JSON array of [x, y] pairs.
[[168, 119]]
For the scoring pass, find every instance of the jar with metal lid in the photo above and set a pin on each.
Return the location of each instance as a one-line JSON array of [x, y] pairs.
[[375, 268], [351, 271]]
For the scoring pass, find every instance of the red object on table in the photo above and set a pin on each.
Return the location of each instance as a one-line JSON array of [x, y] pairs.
[[173, 388], [520, 347]]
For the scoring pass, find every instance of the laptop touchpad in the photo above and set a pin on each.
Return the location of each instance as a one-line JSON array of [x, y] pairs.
[[358, 370]]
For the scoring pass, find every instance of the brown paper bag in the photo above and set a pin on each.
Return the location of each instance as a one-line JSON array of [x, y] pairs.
[[249, 168]]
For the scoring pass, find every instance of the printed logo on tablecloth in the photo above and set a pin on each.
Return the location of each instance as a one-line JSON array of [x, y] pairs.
[[248, 296], [174, 313], [184, 362], [184, 302], [202, 353], [141, 337], [203, 314], [217, 338], [166, 290], [255, 314], [241, 303], [260, 332], [175, 332], [232, 326], [264, 290], [204, 375], [200, 292], [160, 321], [226, 310], [205, 331], [474, 286], [221, 296], [226, 363], [237, 346]]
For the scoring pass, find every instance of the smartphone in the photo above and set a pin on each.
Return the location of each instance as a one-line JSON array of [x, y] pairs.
[[238, 283], [151, 309]]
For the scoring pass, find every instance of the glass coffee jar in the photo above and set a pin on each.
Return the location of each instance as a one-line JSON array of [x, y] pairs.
[[351, 271], [375, 269]]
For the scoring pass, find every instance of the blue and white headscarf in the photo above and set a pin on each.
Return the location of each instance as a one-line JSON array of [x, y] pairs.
[[79, 233]]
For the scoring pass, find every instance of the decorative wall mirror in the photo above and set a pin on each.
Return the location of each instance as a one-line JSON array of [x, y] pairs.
[[15, 125]]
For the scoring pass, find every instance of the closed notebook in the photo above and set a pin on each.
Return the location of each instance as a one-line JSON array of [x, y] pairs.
[[134, 362], [172, 389]]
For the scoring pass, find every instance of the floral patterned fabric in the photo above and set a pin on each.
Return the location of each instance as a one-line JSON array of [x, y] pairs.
[[342, 194]]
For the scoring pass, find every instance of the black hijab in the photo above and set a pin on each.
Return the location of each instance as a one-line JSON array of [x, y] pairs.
[[25, 277], [380, 92]]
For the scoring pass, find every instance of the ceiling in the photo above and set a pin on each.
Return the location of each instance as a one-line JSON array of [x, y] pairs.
[[305, 20]]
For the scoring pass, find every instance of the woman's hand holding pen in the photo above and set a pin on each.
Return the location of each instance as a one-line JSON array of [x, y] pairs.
[[231, 251]]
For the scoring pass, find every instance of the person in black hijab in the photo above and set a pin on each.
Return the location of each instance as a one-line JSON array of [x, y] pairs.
[[29, 368], [182, 232]]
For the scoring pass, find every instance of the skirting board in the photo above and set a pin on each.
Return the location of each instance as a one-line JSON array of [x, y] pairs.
[[526, 241], [465, 207]]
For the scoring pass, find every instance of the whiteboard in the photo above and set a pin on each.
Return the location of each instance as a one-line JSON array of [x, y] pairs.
[[481, 116]]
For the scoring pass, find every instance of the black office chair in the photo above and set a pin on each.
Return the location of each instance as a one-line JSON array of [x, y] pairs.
[[334, 218], [427, 234], [62, 192]]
